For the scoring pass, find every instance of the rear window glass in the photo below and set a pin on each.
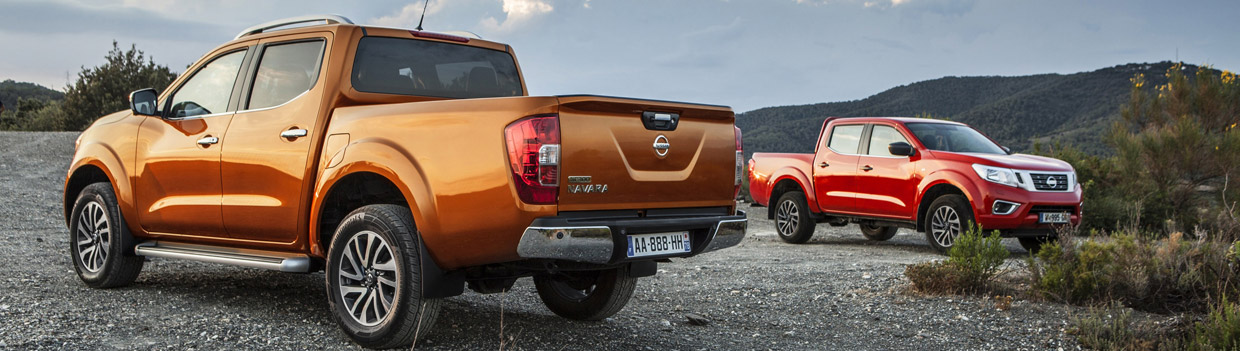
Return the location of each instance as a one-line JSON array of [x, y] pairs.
[[429, 68], [846, 138]]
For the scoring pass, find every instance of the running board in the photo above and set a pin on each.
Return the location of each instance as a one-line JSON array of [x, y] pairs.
[[280, 261]]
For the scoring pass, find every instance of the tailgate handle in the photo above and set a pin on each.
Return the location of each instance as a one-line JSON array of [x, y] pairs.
[[660, 120]]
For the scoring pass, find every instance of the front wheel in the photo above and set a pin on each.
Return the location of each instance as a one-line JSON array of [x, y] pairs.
[[99, 240], [792, 218], [948, 217], [586, 296], [878, 233], [374, 279]]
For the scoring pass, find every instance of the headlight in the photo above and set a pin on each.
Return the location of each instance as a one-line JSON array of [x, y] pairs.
[[996, 174]]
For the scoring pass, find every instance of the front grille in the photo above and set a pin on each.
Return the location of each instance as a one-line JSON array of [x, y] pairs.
[[1050, 182], [1052, 209]]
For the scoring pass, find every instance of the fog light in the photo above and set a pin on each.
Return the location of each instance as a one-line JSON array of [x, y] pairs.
[[1004, 207]]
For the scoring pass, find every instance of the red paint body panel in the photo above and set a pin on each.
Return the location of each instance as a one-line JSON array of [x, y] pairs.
[[894, 188]]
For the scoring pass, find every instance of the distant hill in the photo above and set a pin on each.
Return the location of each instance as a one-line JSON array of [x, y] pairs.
[[1077, 109], [10, 91]]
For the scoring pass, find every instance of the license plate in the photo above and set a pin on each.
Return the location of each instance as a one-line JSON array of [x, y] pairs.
[[658, 244], [1053, 217]]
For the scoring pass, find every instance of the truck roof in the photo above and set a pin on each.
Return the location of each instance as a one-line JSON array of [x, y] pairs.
[[901, 120], [339, 24]]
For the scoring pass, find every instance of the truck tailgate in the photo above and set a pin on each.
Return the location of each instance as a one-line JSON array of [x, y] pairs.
[[623, 153]]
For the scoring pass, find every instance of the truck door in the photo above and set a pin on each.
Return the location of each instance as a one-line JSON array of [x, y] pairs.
[[177, 183], [265, 164], [835, 168], [888, 184]]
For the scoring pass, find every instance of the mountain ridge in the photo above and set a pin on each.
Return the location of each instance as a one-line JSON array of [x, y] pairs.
[[1018, 111]]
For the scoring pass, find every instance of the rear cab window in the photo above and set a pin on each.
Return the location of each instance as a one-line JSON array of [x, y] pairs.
[[845, 138], [429, 68], [285, 71]]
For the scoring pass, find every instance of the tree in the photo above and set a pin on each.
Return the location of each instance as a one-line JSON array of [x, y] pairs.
[[105, 89], [1179, 144]]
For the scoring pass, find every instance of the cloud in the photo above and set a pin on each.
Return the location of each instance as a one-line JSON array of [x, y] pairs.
[[53, 17], [408, 16], [518, 13]]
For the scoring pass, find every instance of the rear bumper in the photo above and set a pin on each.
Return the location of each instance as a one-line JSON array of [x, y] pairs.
[[605, 240]]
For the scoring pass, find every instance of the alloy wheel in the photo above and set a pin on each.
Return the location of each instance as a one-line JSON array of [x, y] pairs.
[[368, 278], [945, 226], [787, 217], [93, 236]]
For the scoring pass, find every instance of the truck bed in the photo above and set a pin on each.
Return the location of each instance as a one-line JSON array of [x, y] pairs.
[[765, 165]]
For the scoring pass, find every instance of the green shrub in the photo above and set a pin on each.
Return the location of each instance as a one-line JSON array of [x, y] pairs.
[[1219, 331], [1108, 329], [1163, 275], [971, 266]]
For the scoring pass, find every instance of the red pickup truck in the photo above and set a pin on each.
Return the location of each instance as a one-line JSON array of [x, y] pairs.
[[929, 175]]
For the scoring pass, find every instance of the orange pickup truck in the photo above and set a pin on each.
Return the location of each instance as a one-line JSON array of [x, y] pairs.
[[405, 164]]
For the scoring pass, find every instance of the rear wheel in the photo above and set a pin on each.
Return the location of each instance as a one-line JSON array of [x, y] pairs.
[[792, 218], [586, 296], [947, 218], [1033, 244], [877, 233], [99, 241], [374, 278]]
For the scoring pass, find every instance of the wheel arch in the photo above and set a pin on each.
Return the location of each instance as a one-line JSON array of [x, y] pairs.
[[934, 190], [85, 173], [783, 185]]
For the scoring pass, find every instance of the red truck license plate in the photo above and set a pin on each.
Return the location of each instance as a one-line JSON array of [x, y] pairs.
[[1053, 217], [658, 244]]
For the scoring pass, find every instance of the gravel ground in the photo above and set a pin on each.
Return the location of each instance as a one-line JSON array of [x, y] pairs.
[[838, 291]]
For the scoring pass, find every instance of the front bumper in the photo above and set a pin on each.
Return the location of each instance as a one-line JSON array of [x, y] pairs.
[[604, 240], [1023, 221]]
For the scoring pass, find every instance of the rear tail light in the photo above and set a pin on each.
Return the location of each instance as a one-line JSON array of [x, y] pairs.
[[740, 162], [534, 153]]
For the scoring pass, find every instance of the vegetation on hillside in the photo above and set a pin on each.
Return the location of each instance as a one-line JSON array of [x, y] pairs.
[[98, 91], [1017, 111]]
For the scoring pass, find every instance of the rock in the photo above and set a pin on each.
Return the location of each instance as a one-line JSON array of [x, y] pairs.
[[665, 325], [697, 319]]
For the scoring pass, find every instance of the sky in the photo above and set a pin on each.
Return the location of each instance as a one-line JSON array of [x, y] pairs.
[[747, 54]]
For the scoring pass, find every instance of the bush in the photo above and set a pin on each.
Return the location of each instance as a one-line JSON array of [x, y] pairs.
[[1163, 275], [1220, 330], [971, 266]]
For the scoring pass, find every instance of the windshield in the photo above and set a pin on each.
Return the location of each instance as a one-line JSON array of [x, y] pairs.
[[953, 138], [428, 68]]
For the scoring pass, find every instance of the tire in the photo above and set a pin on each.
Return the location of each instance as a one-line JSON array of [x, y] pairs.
[[1033, 244], [947, 218], [878, 233], [586, 296], [100, 244], [360, 286], [793, 222]]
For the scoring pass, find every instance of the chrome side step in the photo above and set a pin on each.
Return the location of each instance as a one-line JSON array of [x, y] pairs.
[[280, 261]]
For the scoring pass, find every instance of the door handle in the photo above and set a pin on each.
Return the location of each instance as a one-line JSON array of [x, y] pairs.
[[294, 133], [208, 141], [823, 165], [867, 168]]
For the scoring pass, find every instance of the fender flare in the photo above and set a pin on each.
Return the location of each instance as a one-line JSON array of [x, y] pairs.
[[802, 181], [413, 187], [108, 161]]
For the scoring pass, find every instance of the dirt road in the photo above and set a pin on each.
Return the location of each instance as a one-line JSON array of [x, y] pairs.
[[838, 291]]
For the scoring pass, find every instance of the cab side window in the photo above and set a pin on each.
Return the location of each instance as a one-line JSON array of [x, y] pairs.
[[880, 137], [846, 138], [208, 90], [285, 72]]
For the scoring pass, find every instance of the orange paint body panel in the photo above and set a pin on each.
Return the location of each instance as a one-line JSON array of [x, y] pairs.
[[233, 177]]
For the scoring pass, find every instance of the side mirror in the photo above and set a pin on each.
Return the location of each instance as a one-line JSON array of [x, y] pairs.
[[901, 148], [143, 102], [1006, 149]]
